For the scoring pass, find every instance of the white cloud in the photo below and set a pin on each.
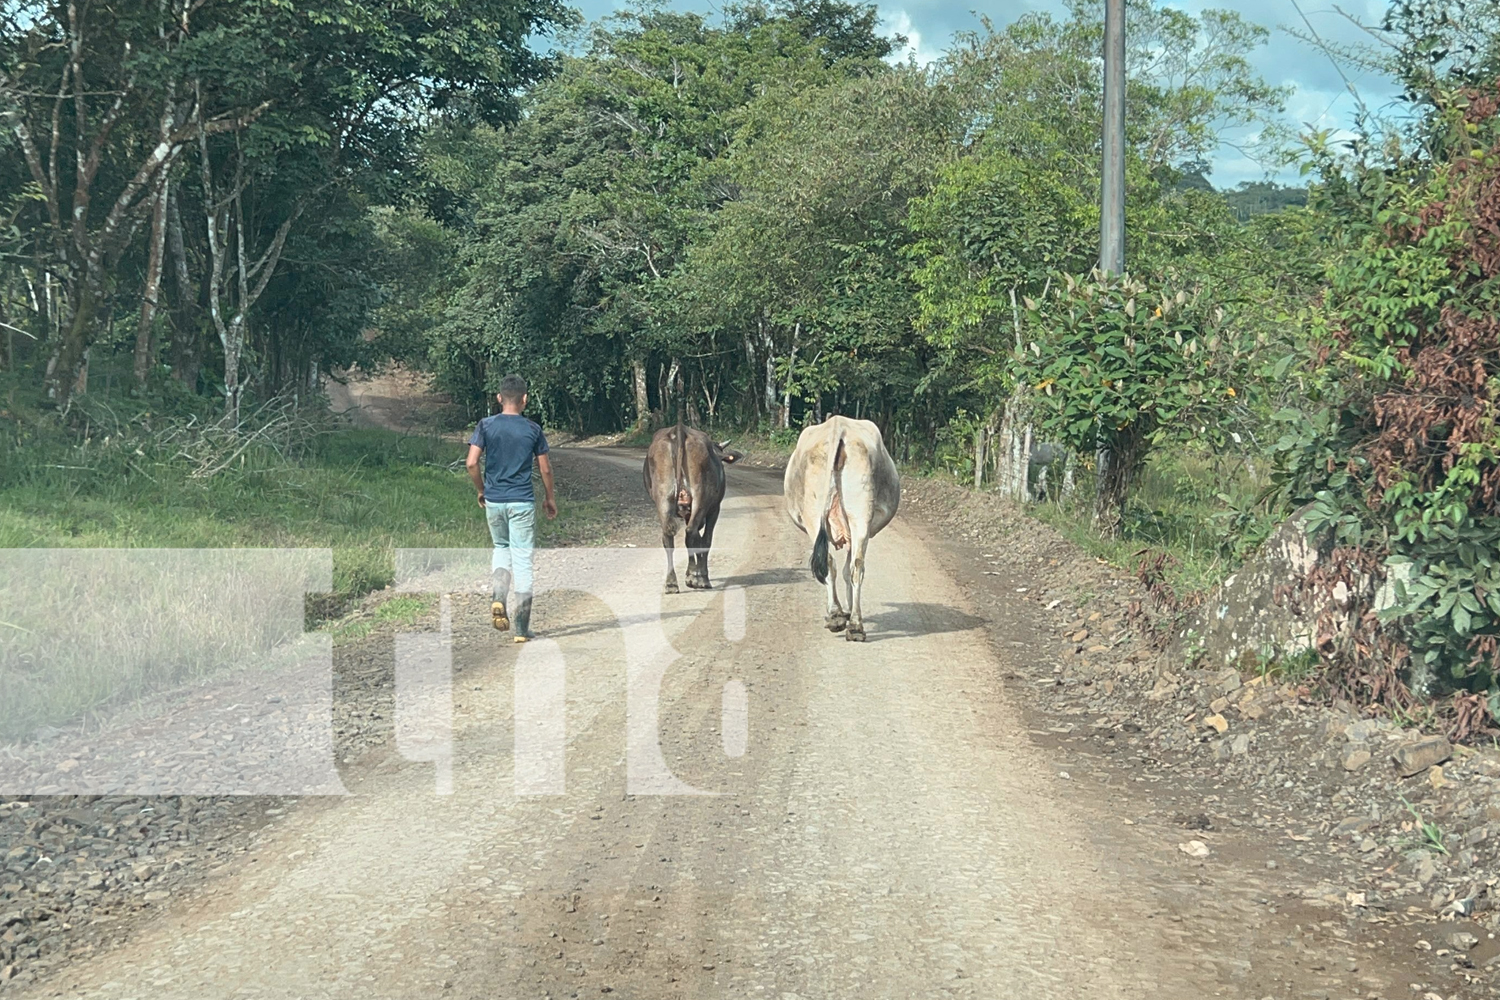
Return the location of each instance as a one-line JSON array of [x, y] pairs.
[[899, 23]]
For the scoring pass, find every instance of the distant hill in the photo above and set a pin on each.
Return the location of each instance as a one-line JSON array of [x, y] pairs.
[[1250, 198], [1261, 198], [1194, 179]]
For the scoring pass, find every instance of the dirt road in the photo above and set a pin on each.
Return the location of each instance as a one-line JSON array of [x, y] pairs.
[[395, 398], [888, 832]]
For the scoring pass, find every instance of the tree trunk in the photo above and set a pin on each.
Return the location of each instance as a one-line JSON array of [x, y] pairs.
[[225, 217], [81, 383], [1014, 479], [1013, 453], [751, 366], [995, 455], [642, 398], [1119, 462], [145, 347], [187, 336], [710, 399], [665, 384], [980, 441], [791, 373], [768, 358], [68, 358], [1028, 446], [234, 343]]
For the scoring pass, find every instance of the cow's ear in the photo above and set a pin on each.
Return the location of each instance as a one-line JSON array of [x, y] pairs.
[[730, 457]]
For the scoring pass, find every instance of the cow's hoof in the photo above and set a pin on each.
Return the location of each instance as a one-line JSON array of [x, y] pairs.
[[697, 583], [671, 588], [836, 623], [855, 633]]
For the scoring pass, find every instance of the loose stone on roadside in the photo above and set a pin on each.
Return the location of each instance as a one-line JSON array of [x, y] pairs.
[[1462, 940], [1414, 758]]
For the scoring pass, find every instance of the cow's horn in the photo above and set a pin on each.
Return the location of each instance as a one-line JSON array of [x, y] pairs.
[[724, 444]]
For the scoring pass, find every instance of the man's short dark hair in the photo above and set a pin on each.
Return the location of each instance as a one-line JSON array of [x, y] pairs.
[[512, 388]]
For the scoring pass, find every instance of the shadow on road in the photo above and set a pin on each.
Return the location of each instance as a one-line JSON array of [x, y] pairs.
[[602, 624], [778, 577], [754, 482], [909, 620]]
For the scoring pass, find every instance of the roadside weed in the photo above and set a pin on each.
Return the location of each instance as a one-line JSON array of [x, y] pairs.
[[1432, 834]]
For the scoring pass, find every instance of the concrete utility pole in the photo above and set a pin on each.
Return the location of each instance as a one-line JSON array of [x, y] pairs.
[[1112, 204], [1112, 213]]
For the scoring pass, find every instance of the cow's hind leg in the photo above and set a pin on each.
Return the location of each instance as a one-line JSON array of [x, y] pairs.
[[668, 544], [705, 543], [837, 617], [856, 573], [697, 578]]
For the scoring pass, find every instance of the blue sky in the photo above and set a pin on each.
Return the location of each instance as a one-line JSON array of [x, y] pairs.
[[1320, 99]]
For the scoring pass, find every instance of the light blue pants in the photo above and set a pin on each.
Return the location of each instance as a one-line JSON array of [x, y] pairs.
[[513, 528]]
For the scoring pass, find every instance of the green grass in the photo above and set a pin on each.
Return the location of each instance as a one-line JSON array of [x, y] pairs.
[[1203, 512], [403, 610], [1296, 668], [1432, 834], [360, 493]]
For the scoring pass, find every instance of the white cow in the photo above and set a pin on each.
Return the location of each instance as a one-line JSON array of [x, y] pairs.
[[841, 489]]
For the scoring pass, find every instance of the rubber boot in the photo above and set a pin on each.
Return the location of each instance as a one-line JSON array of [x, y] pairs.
[[523, 617], [498, 615]]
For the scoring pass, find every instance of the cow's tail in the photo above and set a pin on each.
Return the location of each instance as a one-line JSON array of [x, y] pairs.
[[830, 497], [820, 555], [679, 454]]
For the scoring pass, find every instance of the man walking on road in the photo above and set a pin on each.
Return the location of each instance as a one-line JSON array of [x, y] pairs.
[[508, 442]]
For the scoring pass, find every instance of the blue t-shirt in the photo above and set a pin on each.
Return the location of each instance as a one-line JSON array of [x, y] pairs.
[[510, 442]]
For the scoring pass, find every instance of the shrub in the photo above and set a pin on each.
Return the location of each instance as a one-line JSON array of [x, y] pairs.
[[1404, 462], [1121, 365]]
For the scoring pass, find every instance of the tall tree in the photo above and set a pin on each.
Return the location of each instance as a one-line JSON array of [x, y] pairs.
[[596, 194], [258, 92]]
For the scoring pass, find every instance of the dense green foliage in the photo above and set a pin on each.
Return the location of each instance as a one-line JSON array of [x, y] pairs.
[[207, 166], [1403, 461], [755, 219], [737, 217], [1118, 366], [1393, 444], [1252, 199]]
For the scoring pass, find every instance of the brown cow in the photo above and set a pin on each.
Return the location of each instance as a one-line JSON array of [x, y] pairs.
[[684, 476]]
